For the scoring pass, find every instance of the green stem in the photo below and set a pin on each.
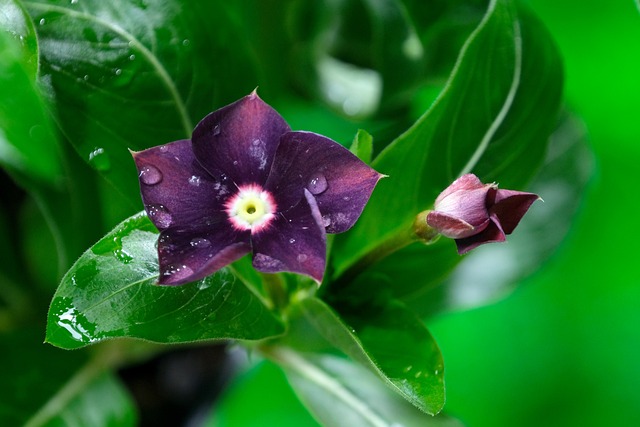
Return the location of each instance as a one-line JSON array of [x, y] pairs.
[[276, 289]]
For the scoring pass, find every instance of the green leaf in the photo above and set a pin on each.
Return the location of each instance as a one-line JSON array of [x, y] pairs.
[[362, 146], [111, 292], [493, 118], [28, 143], [45, 386], [339, 392], [386, 338], [279, 407], [15, 21], [127, 74]]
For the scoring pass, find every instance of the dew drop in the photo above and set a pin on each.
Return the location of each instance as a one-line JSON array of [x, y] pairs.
[[159, 215], [122, 256], [164, 148], [178, 272], [292, 241], [216, 130], [117, 71], [74, 1], [200, 242], [326, 220], [42, 21], [86, 77], [186, 42], [346, 198], [99, 159], [317, 184], [150, 175], [235, 163], [132, 57], [194, 180], [302, 257]]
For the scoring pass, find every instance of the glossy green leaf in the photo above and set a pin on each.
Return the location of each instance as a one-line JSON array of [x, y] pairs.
[[128, 74], [111, 292], [28, 142], [15, 21], [386, 338], [493, 118], [339, 392]]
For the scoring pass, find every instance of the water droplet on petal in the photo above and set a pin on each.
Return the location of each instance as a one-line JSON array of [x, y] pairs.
[[150, 175], [178, 272], [292, 241], [200, 242], [235, 163], [159, 215], [99, 159], [194, 180], [317, 184], [302, 258], [326, 220], [216, 130]]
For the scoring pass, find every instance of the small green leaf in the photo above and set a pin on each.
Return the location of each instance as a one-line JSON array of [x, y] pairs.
[[493, 118], [362, 145], [111, 292], [28, 142], [388, 339]]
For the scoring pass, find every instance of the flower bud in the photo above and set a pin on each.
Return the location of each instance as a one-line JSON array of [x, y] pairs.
[[474, 213]]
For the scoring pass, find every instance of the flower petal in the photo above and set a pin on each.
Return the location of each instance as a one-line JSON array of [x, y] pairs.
[[466, 182], [510, 206], [452, 227], [339, 181], [296, 242], [240, 140], [469, 206], [176, 190], [186, 255], [492, 233]]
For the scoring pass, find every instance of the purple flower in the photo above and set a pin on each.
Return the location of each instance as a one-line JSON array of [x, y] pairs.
[[245, 182], [474, 213]]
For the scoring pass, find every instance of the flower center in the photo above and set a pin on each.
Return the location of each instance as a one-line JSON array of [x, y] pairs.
[[252, 208]]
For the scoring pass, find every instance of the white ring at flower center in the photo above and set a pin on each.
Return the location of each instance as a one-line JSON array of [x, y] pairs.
[[251, 208]]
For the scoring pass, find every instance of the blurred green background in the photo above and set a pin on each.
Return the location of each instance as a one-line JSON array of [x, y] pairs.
[[564, 348]]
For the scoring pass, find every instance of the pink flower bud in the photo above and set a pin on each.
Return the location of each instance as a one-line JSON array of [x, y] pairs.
[[474, 213]]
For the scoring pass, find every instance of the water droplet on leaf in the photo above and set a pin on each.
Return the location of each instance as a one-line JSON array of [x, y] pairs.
[[42, 21], [150, 175], [159, 215], [317, 184], [99, 159]]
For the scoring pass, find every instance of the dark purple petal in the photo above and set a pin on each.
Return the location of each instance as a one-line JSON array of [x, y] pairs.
[[452, 227], [186, 255], [295, 242], [492, 233], [339, 181], [465, 182], [240, 140], [510, 206], [176, 190]]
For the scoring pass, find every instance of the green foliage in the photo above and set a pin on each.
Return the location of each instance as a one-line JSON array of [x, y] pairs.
[[83, 82]]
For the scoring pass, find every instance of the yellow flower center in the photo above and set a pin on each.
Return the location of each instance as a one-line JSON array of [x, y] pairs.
[[251, 209]]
